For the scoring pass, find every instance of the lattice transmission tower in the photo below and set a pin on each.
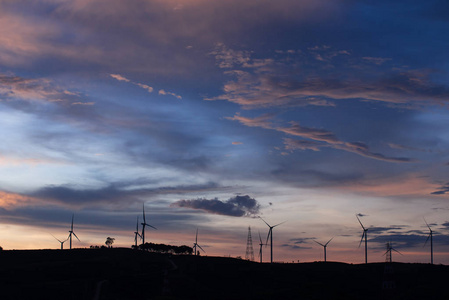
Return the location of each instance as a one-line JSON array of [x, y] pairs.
[[249, 246]]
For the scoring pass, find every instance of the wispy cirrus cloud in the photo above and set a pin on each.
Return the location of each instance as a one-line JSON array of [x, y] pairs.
[[283, 82], [319, 138], [34, 89], [146, 87]]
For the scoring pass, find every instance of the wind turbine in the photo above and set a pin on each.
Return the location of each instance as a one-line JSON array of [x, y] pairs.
[[324, 246], [144, 224], [72, 233], [62, 242], [388, 252], [260, 249], [364, 235], [270, 236], [196, 243], [431, 241], [136, 233]]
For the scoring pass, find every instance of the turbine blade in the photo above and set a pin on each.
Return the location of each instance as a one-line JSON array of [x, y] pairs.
[[200, 248], [260, 239], [143, 211], [56, 238], [76, 236], [397, 251], [196, 236], [265, 222], [360, 222], [428, 237], [361, 240], [152, 226], [268, 236], [329, 240], [279, 224], [319, 243], [71, 227]]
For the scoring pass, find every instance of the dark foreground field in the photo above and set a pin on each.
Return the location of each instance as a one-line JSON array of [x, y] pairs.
[[130, 274]]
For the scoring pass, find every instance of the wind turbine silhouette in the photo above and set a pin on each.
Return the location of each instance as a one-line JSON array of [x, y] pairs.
[[260, 248], [196, 244], [136, 233], [144, 224], [324, 246], [62, 242], [431, 241], [270, 235], [364, 235], [71, 232]]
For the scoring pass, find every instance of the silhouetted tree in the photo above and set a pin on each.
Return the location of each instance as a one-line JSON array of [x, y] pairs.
[[162, 248], [109, 241], [1, 248]]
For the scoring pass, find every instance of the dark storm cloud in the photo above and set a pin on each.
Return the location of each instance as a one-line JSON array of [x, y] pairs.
[[238, 206]]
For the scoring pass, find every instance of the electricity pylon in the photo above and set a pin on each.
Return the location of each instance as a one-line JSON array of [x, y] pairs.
[[249, 246]]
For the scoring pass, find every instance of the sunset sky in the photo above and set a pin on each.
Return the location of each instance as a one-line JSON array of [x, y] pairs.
[[213, 113]]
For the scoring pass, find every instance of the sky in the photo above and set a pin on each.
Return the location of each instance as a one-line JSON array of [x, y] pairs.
[[215, 113]]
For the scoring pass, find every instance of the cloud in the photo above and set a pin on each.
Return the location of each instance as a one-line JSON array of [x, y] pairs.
[[114, 193], [30, 89], [83, 103], [146, 87], [291, 144], [442, 190], [278, 83], [238, 206], [119, 77], [163, 92], [320, 138], [237, 143], [376, 60], [12, 200]]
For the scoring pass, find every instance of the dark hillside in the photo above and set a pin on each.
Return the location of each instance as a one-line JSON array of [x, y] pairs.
[[131, 274]]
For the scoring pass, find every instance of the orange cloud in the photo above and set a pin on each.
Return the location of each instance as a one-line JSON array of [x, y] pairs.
[[411, 185], [8, 200]]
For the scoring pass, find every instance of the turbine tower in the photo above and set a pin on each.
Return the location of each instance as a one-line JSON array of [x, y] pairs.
[[324, 246], [249, 255], [431, 241], [270, 236], [195, 245], [260, 248], [136, 233], [144, 224], [71, 232], [62, 242], [364, 235]]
